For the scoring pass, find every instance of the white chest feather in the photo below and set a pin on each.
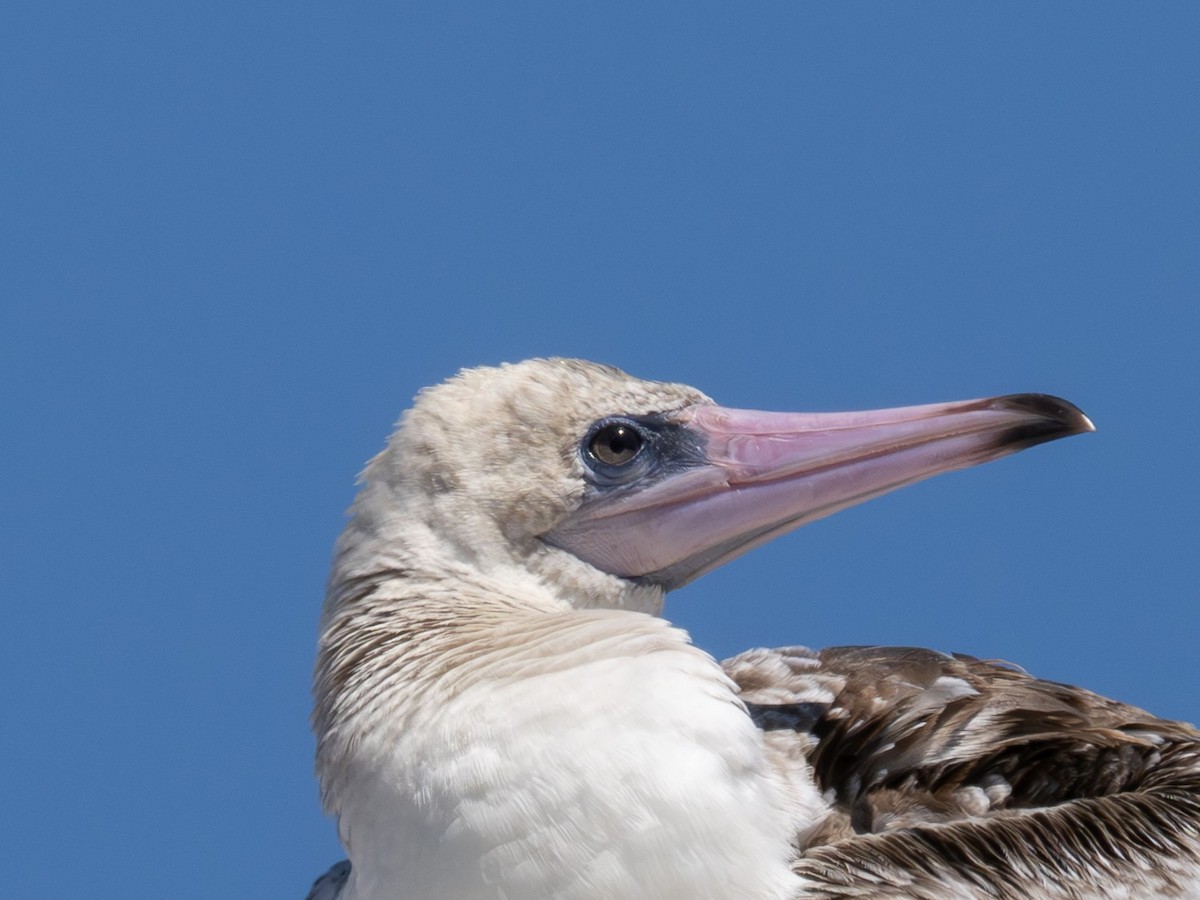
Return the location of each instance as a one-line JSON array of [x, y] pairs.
[[630, 777]]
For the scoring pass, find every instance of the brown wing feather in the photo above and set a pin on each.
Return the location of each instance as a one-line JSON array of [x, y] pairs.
[[950, 776]]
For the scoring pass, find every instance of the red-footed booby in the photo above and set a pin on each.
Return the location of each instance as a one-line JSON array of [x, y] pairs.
[[502, 712]]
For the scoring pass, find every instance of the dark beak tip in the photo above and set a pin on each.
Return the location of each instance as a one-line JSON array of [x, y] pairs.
[[1060, 417]]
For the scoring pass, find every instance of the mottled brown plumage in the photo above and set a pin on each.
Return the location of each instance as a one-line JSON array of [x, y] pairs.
[[954, 777]]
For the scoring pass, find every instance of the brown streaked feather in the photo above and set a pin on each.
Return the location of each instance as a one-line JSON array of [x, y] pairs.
[[949, 776]]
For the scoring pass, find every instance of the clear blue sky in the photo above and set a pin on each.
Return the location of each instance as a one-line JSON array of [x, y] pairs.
[[237, 238]]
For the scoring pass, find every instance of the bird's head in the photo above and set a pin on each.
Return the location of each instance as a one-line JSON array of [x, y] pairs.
[[613, 490]]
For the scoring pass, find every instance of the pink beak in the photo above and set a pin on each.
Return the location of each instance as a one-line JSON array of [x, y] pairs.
[[763, 474]]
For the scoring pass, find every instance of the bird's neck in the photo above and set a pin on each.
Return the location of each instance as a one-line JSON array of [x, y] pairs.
[[391, 533], [473, 745]]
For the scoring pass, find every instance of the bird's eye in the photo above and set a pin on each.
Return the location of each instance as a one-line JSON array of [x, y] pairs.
[[616, 443]]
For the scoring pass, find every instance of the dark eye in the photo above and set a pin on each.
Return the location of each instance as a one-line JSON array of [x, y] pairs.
[[616, 443]]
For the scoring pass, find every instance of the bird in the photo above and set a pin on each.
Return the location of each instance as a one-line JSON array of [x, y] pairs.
[[502, 711]]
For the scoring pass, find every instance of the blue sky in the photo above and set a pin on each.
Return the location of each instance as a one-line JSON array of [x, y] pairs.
[[237, 238]]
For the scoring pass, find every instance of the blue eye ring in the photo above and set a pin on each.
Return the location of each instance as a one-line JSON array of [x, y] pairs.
[[617, 450], [616, 443]]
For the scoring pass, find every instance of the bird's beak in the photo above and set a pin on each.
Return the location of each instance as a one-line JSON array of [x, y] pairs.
[[765, 473]]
